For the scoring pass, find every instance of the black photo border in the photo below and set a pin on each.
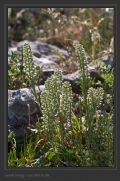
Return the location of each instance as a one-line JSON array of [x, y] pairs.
[[82, 174]]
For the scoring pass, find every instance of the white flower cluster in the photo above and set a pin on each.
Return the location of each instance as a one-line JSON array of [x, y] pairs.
[[66, 100], [29, 67], [82, 58], [95, 97], [56, 99], [83, 68]]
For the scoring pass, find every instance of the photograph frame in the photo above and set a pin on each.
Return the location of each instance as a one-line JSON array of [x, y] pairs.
[[53, 173]]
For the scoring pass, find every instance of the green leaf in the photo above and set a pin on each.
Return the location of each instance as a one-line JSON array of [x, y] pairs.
[[76, 121], [50, 155]]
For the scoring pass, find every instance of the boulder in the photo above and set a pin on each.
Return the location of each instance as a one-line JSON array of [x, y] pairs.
[[44, 50], [108, 59], [45, 75], [94, 74], [45, 63], [45, 56], [73, 78], [10, 50], [32, 44], [23, 112]]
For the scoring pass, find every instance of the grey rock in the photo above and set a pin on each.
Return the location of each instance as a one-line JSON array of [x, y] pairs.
[[19, 116], [18, 100], [43, 48], [73, 78], [94, 74], [54, 58], [108, 60], [44, 63], [10, 50], [36, 53], [50, 52], [45, 56], [40, 88], [45, 75], [32, 44]]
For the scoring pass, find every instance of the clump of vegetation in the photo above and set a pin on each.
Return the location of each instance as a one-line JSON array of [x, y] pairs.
[[23, 72], [63, 138], [56, 25], [56, 102], [75, 130], [83, 69]]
